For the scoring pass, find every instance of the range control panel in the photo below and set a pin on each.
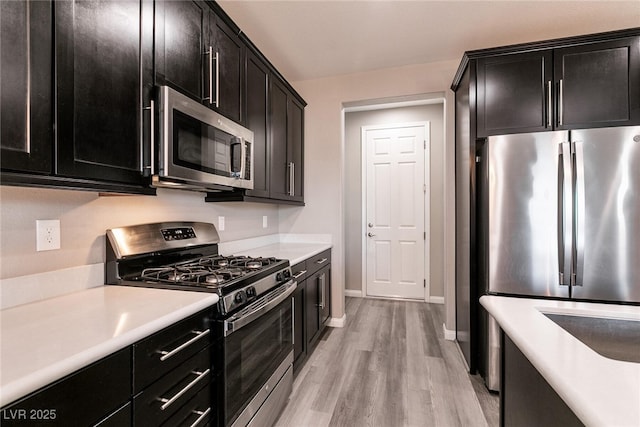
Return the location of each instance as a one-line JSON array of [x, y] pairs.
[[182, 233]]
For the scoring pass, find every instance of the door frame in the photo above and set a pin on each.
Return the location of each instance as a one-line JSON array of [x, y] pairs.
[[427, 202]]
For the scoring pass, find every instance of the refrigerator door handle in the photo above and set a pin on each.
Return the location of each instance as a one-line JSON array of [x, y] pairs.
[[580, 207], [565, 214]]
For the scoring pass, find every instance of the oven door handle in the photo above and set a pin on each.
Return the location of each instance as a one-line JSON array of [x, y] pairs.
[[258, 308]]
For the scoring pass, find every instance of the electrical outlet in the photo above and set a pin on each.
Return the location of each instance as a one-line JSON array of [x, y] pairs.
[[220, 223], [265, 222], [47, 235]]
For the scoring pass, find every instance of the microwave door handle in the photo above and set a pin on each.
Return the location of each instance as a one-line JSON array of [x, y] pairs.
[[243, 158]]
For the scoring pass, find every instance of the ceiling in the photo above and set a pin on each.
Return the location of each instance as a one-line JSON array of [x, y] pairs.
[[309, 39]]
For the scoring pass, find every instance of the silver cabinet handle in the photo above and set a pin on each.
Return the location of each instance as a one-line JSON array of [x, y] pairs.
[[299, 274], [322, 279], [210, 53], [293, 320], [217, 102], [202, 416], [169, 402], [151, 109], [322, 261], [549, 104], [167, 354], [370, 234], [560, 100], [291, 167]]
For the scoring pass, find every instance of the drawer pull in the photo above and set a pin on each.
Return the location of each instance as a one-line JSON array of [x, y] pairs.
[[299, 273], [322, 261], [202, 416], [167, 354], [168, 402]]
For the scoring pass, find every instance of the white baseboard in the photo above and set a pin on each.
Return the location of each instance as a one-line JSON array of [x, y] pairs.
[[337, 322], [352, 293], [436, 300], [449, 335]]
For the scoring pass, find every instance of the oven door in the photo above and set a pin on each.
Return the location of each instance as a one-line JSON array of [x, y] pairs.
[[199, 147], [257, 341]]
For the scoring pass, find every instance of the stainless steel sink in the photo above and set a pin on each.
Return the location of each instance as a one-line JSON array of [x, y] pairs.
[[613, 338]]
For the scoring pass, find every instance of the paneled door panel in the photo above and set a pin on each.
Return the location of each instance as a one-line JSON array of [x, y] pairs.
[[395, 210]]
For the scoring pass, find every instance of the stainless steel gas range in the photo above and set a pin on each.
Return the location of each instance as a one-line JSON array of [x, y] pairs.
[[253, 323]]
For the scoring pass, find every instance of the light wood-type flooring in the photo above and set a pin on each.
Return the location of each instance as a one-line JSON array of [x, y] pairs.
[[389, 366]]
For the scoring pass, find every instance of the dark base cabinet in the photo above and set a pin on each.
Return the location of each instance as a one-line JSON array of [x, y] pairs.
[[164, 379], [83, 398], [312, 304], [526, 398]]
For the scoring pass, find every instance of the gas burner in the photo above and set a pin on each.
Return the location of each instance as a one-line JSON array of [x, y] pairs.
[[253, 264]]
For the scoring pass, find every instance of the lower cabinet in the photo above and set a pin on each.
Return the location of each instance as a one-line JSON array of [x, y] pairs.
[[86, 397], [526, 398], [312, 304], [164, 379]]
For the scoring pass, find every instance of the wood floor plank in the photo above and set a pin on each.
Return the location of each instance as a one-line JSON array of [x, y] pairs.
[[388, 367]]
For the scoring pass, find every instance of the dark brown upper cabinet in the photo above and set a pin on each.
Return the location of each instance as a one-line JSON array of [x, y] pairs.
[[582, 85], [598, 84], [286, 145], [99, 50], [514, 93], [26, 94], [200, 55]]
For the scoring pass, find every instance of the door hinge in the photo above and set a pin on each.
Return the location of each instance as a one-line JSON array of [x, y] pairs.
[[425, 144], [424, 188], [425, 283], [424, 235]]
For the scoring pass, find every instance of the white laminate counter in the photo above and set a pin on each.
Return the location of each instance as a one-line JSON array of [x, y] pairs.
[[600, 391], [294, 252], [46, 340]]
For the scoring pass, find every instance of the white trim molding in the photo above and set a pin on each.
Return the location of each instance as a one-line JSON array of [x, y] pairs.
[[353, 293], [338, 322], [449, 335], [435, 300]]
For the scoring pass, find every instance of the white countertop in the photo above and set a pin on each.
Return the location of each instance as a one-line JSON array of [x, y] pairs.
[[46, 340], [294, 252], [600, 391]]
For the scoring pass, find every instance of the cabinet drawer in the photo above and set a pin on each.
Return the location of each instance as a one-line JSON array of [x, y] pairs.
[[83, 398], [165, 397], [156, 355], [197, 412], [299, 271], [316, 262]]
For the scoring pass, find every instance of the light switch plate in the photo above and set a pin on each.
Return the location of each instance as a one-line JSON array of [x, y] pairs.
[[265, 221], [47, 234], [220, 223]]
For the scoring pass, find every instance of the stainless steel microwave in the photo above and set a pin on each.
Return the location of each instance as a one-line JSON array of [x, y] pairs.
[[199, 149]]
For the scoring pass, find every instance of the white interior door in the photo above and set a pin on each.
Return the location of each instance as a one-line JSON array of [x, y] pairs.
[[395, 210]]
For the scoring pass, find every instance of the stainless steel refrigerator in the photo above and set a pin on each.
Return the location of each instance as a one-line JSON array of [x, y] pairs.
[[562, 218]]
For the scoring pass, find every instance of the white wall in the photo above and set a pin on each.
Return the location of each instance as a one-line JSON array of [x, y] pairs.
[[84, 217], [324, 151]]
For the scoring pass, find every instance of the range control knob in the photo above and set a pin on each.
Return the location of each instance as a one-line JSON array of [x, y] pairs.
[[240, 297], [279, 277], [287, 273], [251, 292]]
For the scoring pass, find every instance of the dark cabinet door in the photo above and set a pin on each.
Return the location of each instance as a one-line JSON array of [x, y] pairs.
[[228, 79], [183, 47], [99, 90], [312, 308], [514, 93], [279, 167], [598, 84], [299, 344], [295, 146], [26, 118], [257, 107]]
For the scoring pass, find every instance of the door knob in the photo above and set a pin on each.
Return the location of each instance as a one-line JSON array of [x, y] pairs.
[[370, 234], [370, 225]]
